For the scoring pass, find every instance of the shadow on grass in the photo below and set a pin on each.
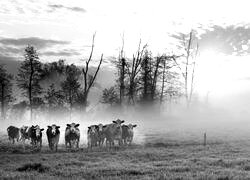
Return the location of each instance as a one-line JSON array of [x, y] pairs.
[[33, 167]]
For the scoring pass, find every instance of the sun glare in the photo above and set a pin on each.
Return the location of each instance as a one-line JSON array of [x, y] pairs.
[[210, 74]]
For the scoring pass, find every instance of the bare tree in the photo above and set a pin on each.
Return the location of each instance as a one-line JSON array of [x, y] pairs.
[[88, 78], [121, 65], [155, 77], [166, 63], [133, 71], [190, 46]]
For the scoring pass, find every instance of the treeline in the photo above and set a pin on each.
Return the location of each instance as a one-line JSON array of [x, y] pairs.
[[142, 80]]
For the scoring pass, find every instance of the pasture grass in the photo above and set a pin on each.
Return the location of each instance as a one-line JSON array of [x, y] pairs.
[[176, 160]]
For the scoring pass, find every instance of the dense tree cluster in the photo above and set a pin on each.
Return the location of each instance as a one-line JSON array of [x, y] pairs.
[[143, 79]]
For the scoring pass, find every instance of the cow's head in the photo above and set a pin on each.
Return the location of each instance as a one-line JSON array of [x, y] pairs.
[[100, 127], [92, 129], [73, 127], [118, 122], [131, 126], [54, 128], [37, 130]]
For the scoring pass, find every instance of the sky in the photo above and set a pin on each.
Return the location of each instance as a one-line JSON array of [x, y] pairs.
[[63, 29]]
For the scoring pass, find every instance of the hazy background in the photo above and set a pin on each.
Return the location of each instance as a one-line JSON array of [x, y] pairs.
[[63, 30]]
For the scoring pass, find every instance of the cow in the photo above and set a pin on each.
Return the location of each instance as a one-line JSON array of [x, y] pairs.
[[53, 135], [13, 133], [113, 132], [35, 133], [128, 133], [25, 132], [92, 136], [101, 134], [72, 135]]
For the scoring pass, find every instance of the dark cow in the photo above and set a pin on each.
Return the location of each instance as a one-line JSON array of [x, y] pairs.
[[128, 133], [114, 132], [35, 133], [72, 135], [13, 133], [53, 135], [92, 136]]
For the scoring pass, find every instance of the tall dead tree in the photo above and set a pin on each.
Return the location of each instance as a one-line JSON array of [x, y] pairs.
[[190, 47], [121, 66], [88, 78]]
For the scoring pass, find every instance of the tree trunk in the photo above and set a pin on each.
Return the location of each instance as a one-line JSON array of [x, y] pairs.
[[2, 104], [122, 76], [30, 91], [155, 79], [163, 82]]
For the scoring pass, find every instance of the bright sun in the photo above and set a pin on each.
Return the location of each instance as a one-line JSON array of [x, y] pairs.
[[211, 75]]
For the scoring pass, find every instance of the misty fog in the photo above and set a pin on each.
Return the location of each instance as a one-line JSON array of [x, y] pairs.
[[159, 124]]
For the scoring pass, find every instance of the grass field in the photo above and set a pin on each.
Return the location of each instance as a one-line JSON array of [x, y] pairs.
[[151, 160]]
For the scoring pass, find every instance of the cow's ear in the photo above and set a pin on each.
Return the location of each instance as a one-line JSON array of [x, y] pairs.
[[114, 122], [77, 125], [104, 126], [125, 126], [68, 125], [134, 125], [49, 127], [57, 127], [42, 129], [89, 127], [122, 121]]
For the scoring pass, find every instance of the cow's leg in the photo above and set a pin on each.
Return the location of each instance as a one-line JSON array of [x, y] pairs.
[[107, 143], [31, 142], [91, 144], [77, 143], [13, 140], [66, 144], [131, 139], [51, 147], [23, 142], [102, 141], [70, 144]]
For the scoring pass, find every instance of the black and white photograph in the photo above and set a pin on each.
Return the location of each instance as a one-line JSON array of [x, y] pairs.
[[125, 89]]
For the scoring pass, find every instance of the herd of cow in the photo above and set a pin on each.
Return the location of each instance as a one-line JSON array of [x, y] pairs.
[[96, 134]]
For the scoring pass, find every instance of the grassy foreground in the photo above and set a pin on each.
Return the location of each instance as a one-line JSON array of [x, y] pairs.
[[150, 161]]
